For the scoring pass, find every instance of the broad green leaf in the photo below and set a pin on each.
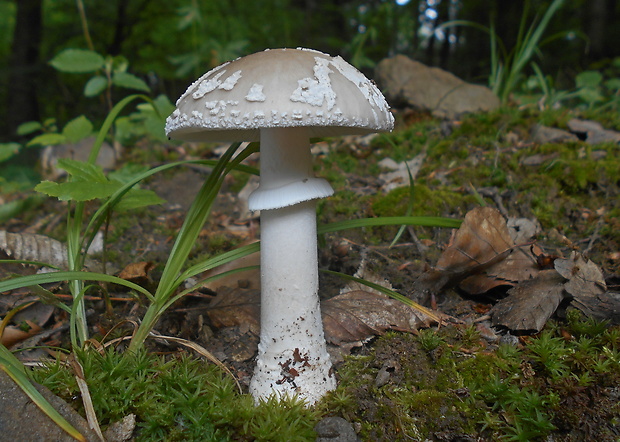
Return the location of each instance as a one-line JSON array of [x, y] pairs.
[[137, 198], [612, 84], [590, 95], [589, 79], [120, 63], [82, 171], [95, 85], [29, 127], [129, 81], [77, 61], [47, 140], [7, 150], [77, 190], [77, 129]]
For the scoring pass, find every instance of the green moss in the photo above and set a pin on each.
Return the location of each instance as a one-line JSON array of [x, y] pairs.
[[178, 399], [447, 381]]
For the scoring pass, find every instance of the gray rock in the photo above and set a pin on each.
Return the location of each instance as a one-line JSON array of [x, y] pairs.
[[76, 151], [335, 429], [544, 134], [408, 82], [21, 420], [593, 131]]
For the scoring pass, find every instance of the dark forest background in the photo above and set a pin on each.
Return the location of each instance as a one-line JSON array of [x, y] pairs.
[[170, 43]]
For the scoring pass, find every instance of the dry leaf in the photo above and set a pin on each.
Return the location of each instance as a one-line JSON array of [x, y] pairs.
[[359, 315], [136, 271], [530, 303], [587, 287], [13, 335], [236, 306], [482, 255], [584, 277]]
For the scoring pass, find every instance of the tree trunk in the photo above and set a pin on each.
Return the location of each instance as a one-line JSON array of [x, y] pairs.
[[24, 66]]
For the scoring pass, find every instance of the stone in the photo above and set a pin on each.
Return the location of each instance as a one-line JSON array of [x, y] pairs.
[[335, 429], [406, 82], [544, 134], [22, 420]]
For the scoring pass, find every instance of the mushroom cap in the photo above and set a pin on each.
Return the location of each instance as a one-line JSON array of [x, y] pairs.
[[279, 88]]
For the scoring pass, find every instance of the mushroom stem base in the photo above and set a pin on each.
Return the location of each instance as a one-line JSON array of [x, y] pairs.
[[292, 354]]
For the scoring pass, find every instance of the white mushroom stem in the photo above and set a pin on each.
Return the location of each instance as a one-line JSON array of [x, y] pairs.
[[292, 354]]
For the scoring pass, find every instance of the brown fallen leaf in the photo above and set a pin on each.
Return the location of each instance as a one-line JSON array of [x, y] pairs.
[[530, 304], [587, 287], [584, 277], [358, 315], [12, 335], [137, 271], [232, 307], [481, 256]]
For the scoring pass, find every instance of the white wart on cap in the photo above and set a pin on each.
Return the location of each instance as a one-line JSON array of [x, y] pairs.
[[279, 88]]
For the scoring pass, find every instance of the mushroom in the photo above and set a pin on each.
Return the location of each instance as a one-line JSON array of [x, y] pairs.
[[282, 98]]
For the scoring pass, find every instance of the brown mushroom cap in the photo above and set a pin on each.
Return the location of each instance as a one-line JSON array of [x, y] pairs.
[[279, 88]]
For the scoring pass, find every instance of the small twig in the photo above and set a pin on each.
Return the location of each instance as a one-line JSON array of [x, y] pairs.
[[595, 236], [422, 249], [89, 41]]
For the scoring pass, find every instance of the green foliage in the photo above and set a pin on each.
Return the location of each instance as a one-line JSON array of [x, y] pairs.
[[74, 131], [148, 121], [77, 61], [87, 182], [109, 71], [594, 89], [507, 66]]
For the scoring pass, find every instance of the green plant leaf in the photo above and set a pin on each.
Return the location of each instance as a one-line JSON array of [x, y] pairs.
[[82, 171], [47, 140], [77, 190], [129, 81], [589, 79], [8, 150], [77, 129], [28, 127], [95, 86], [77, 61], [137, 198], [612, 84]]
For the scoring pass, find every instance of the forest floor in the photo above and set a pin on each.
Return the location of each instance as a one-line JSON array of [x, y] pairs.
[[476, 375]]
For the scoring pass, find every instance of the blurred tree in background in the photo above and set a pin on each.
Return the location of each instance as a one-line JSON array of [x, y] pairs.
[[169, 44]]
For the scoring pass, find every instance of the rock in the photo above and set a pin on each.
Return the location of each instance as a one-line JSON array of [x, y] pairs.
[[408, 82], [543, 134], [22, 420], [76, 151], [335, 429], [592, 131]]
